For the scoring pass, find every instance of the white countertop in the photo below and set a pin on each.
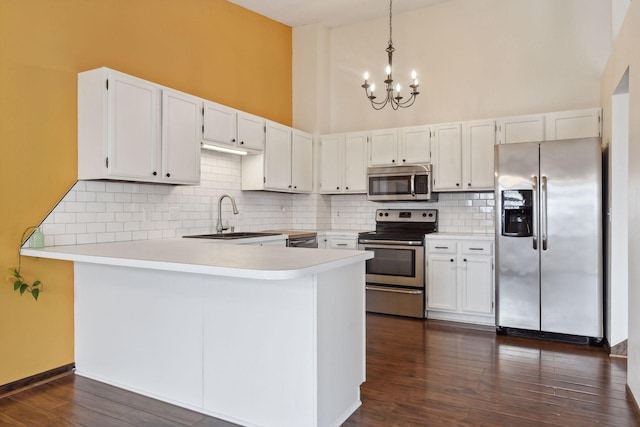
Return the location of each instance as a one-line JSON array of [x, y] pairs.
[[206, 257]]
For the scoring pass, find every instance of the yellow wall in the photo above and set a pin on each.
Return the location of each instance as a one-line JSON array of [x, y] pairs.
[[210, 48]]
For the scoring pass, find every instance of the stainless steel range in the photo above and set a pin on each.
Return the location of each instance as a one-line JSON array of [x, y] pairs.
[[395, 276]]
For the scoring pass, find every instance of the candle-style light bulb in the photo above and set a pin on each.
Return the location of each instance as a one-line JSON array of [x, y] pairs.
[[366, 76], [373, 87], [398, 88], [388, 69], [413, 75]]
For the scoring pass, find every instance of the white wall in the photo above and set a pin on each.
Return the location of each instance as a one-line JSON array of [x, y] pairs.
[[475, 59], [626, 54]]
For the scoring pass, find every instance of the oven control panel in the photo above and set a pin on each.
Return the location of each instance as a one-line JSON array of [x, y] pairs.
[[407, 215]]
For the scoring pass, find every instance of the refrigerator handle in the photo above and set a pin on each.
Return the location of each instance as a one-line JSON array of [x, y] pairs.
[[534, 218], [543, 211]]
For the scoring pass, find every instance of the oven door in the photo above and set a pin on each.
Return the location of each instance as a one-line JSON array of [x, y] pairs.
[[395, 264]]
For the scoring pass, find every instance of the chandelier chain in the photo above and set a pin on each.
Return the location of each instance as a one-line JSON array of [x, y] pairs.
[[391, 95], [390, 20]]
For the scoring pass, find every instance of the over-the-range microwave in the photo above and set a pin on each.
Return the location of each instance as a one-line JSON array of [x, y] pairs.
[[400, 183]]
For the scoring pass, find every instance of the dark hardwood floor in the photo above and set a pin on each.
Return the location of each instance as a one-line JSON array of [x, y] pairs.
[[419, 373]]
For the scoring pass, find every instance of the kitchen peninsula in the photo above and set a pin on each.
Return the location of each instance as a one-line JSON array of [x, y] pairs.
[[268, 336]]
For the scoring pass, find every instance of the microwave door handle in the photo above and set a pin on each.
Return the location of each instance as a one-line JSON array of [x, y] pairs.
[[413, 185]]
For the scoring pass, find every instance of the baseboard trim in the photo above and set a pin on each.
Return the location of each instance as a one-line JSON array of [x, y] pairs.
[[36, 380], [633, 399]]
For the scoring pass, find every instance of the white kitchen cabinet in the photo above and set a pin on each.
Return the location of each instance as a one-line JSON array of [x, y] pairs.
[[301, 161], [226, 127], [338, 240], [125, 132], [277, 157], [251, 132], [529, 128], [415, 145], [180, 136], [573, 124], [447, 157], [284, 166], [343, 163], [384, 148], [460, 278], [442, 279], [478, 142], [404, 146], [219, 124]]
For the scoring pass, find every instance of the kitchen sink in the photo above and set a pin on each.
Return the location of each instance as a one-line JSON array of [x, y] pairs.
[[231, 236]]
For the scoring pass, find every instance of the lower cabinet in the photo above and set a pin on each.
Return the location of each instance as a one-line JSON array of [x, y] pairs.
[[460, 278], [338, 240]]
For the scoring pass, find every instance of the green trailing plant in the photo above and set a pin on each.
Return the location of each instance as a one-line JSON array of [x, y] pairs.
[[19, 284]]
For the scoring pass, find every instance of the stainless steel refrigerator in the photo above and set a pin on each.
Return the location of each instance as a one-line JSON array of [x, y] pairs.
[[549, 237]]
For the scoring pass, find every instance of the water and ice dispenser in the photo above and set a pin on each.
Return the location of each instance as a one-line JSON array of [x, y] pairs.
[[517, 213]]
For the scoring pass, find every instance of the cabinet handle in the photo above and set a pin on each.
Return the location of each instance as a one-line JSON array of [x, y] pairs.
[[404, 160], [451, 260], [457, 184], [442, 247], [393, 160], [168, 175], [465, 260], [295, 186], [233, 140], [341, 244], [154, 173], [337, 188], [346, 188], [476, 249], [469, 184], [241, 142]]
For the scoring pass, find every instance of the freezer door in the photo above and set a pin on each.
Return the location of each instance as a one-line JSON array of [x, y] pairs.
[[517, 261], [571, 237]]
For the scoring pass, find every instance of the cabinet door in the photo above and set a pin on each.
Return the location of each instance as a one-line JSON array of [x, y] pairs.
[[355, 163], [415, 145], [477, 284], [384, 147], [180, 137], [528, 128], [441, 282], [219, 124], [331, 150], [447, 161], [478, 142], [572, 124], [302, 161], [133, 128], [277, 157], [251, 132]]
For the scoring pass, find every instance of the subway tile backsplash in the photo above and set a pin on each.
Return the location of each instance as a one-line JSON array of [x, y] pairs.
[[106, 211]]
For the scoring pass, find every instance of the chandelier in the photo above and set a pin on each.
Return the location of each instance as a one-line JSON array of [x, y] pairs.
[[392, 97]]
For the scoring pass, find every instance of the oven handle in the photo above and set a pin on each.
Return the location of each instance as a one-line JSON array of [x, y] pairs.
[[392, 290], [391, 242]]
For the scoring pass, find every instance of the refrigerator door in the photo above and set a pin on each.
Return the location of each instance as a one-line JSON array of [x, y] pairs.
[[571, 237], [517, 261]]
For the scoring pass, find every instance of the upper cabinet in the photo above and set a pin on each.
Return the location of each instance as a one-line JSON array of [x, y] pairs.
[[528, 128], [131, 129], [226, 127], [180, 137], [478, 141], [286, 164], [415, 145], [447, 157], [573, 124], [343, 163], [404, 146]]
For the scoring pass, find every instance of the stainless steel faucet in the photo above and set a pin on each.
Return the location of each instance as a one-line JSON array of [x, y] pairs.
[[219, 227]]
